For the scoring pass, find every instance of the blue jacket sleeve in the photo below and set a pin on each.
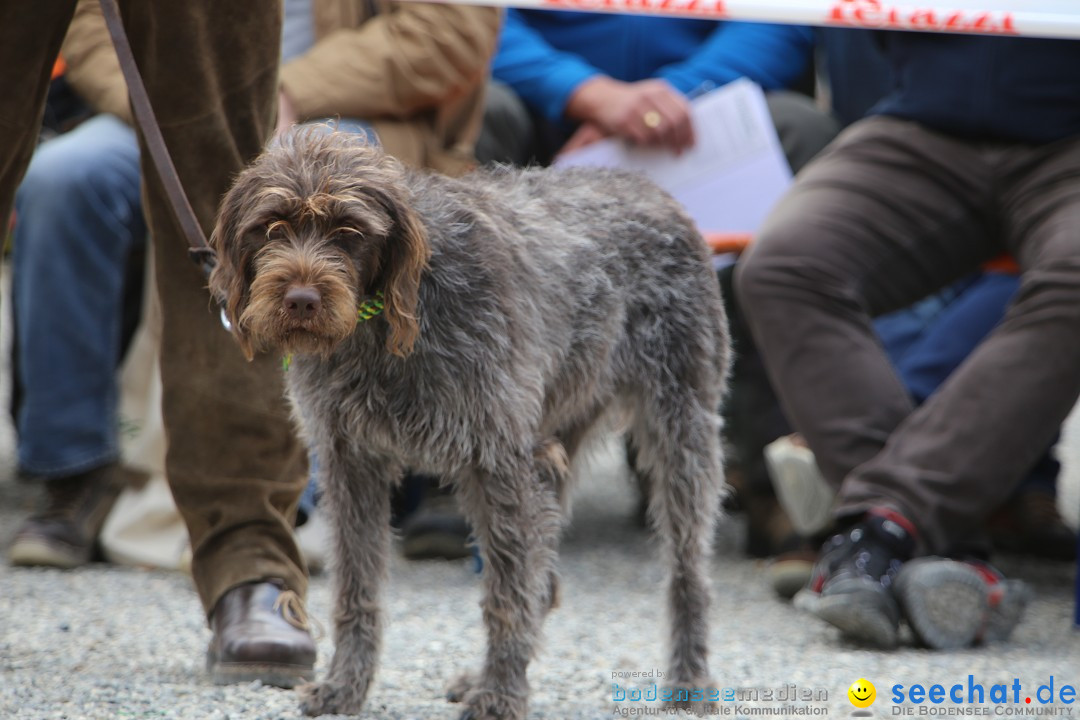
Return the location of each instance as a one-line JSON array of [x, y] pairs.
[[540, 74], [773, 56]]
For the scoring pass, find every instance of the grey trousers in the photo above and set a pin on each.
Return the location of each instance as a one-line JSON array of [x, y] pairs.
[[890, 212]]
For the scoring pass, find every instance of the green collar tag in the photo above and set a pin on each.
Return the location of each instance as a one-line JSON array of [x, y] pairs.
[[367, 310], [370, 308]]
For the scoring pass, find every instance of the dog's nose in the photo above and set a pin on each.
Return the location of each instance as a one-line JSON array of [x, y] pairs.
[[302, 302]]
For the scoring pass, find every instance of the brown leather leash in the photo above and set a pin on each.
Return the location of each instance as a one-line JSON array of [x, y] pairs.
[[198, 248]]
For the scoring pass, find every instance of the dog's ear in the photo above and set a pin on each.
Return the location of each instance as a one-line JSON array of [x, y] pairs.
[[407, 252], [228, 283]]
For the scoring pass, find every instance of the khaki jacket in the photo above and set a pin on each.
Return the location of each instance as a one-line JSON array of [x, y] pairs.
[[415, 71]]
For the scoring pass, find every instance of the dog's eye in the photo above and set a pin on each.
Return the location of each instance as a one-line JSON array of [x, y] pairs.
[[345, 234], [275, 229]]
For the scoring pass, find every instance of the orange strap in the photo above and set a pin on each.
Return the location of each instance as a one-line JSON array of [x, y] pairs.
[[1003, 263], [721, 243]]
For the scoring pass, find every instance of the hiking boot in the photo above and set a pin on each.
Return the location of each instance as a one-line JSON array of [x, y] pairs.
[[1031, 524], [851, 587], [952, 604], [63, 533], [436, 529]]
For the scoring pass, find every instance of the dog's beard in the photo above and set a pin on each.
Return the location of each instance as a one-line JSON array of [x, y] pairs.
[[268, 324]]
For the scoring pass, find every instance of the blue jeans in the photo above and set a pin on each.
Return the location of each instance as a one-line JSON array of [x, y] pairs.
[[78, 218], [927, 341], [976, 307]]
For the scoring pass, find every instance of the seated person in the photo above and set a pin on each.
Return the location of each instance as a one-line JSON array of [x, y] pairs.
[[926, 343], [78, 237], [852, 76], [953, 168], [1029, 521], [585, 76]]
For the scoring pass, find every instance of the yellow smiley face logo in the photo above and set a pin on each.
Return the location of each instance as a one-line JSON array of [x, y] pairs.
[[862, 693]]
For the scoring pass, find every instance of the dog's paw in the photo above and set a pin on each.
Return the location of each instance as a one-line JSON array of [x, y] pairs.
[[329, 699], [482, 704], [693, 697], [460, 686]]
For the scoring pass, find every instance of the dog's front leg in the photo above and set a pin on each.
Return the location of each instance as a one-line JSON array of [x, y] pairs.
[[356, 497], [516, 520]]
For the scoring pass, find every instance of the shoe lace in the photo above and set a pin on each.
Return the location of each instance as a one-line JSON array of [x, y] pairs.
[[293, 611]]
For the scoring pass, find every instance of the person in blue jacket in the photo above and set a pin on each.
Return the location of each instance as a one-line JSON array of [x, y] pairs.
[[585, 76]]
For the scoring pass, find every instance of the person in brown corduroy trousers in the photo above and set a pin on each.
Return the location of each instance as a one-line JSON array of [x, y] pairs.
[[235, 468]]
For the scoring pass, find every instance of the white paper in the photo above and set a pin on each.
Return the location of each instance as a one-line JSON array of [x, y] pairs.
[[730, 178]]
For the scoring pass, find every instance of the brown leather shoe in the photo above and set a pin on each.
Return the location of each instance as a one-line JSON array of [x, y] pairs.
[[260, 633], [62, 534]]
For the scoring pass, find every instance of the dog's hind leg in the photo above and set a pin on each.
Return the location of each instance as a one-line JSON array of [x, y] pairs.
[[678, 443], [553, 470], [516, 518], [356, 496]]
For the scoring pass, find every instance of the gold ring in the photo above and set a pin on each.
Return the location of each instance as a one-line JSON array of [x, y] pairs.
[[651, 119]]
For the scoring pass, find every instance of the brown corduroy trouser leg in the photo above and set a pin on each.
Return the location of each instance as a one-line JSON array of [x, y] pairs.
[[890, 213], [234, 465]]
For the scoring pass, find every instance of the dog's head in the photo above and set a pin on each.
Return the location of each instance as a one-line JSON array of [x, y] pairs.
[[315, 224]]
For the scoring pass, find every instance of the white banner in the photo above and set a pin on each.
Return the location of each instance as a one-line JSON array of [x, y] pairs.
[[1034, 18]]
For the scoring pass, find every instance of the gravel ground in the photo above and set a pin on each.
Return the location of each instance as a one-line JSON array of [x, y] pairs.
[[112, 642]]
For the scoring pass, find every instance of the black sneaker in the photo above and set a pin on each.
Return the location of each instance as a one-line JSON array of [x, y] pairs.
[[64, 532], [952, 604], [851, 587]]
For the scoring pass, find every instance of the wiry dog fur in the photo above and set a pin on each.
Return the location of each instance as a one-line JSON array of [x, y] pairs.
[[521, 306]]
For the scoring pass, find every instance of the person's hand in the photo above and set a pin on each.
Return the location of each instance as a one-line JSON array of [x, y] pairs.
[[585, 135], [648, 112], [286, 116]]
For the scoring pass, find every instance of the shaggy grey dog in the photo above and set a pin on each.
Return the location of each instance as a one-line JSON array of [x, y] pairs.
[[519, 310]]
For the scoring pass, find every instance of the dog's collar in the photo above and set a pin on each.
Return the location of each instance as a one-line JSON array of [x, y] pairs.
[[370, 307], [367, 310]]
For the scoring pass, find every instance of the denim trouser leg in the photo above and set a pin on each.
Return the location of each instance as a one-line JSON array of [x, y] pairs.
[[79, 215], [957, 330], [355, 126], [901, 332]]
